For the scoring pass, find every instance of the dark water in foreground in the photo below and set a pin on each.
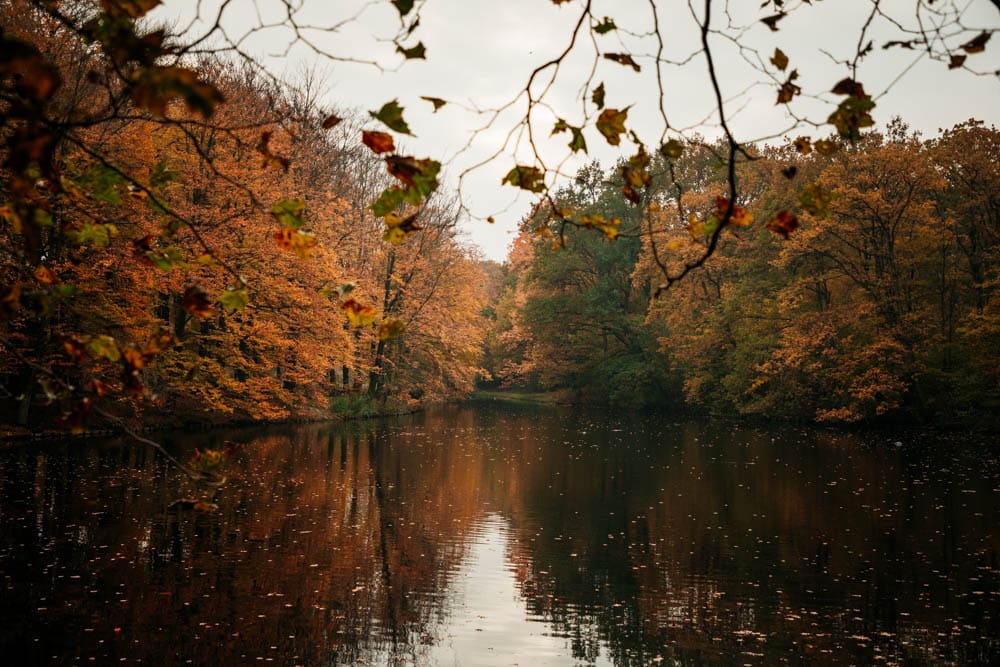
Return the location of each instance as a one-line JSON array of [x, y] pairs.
[[492, 535]]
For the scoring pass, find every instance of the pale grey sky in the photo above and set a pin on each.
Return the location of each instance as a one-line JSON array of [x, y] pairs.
[[479, 55]]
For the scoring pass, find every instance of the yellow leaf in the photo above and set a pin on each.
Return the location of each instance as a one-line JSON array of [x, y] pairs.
[[696, 227], [358, 314], [390, 328], [611, 123]]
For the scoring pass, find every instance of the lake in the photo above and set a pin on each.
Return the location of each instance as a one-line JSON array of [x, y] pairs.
[[498, 534]]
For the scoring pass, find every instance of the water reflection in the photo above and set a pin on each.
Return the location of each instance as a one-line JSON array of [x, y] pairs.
[[491, 535]]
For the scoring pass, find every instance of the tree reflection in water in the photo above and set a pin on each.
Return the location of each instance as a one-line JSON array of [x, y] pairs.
[[493, 535]]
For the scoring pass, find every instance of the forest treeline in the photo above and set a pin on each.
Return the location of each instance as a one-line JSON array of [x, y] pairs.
[[880, 304], [199, 241], [189, 268]]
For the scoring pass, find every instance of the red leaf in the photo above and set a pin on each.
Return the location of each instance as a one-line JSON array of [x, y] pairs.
[[784, 223]]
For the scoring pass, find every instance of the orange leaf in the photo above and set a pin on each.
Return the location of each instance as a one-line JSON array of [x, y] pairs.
[[379, 142], [359, 315]]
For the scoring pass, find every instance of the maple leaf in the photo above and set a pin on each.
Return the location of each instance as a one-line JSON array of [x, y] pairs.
[[635, 174], [420, 176], [826, 147], [295, 240], [597, 97], [623, 59], [605, 26], [289, 213], [788, 89], [358, 314], [391, 114], [196, 302], [611, 123], [379, 142], [577, 141], [390, 328], [779, 59], [404, 6], [418, 51], [815, 200], [772, 21], [526, 178], [398, 228], [436, 101], [234, 299], [672, 149], [978, 43], [104, 346], [783, 223]]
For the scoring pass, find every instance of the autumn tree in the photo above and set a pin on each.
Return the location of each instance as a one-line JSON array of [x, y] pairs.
[[179, 145]]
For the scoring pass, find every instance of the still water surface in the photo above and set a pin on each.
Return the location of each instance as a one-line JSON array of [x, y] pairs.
[[505, 535]]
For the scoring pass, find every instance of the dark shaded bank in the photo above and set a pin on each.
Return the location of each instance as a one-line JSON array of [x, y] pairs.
[[889, 426], [11, 434]]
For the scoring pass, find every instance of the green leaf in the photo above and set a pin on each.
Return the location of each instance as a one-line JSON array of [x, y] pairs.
[[288, 213], [390, 328], [168, 258], [391, 114], [598, 96], [417, 51], [388, 201], [156, 205], [815, 200], [672, 149], [234, 299], [852, 115], [577, 141], [160, 175], [605, 26], [419, 176], [102, 182], [526, 178], [105, 346], [404, 6], [42, 217], [95, 234]]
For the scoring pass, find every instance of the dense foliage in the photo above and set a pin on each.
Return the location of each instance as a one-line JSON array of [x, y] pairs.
[[883, 304], [183, 233], [157, 263]]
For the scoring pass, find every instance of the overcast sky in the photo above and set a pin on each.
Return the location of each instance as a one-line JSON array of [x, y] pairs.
[[480, 54]]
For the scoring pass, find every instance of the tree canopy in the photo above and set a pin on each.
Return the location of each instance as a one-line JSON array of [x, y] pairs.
[[160, 180]]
